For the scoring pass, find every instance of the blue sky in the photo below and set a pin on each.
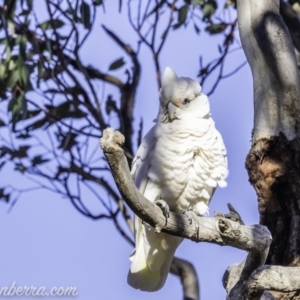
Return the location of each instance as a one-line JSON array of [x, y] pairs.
[[45, 242]]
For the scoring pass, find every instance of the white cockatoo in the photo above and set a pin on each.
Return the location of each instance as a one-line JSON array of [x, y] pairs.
[[181, 160]]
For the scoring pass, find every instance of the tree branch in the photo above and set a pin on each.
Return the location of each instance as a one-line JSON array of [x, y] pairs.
[[128, 92], [188, 277], [256, 238]]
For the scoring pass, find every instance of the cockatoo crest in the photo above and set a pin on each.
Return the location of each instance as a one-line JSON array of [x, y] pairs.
[[179, 95]]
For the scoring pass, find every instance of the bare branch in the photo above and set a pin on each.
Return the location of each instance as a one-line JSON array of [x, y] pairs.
[[155, 51], [128, 93], [188, 277], [221, 231], [167, 30]]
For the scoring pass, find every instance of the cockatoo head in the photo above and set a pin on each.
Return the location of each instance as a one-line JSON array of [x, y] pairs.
[[181, 97]]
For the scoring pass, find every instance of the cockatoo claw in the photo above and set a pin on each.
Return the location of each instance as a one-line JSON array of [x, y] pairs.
[[164, 207], [192, 217], [233, 215]]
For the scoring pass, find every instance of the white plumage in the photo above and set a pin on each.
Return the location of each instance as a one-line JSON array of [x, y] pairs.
[[181, 160]]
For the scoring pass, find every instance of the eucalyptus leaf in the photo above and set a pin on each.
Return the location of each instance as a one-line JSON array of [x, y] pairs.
[[208, 10], [38, 160], [11, 65], [13, 78], [216, 28], [11, 27], [2, 71], [182, 15], [198, 2], [117, 64], [24, 74], [51, 24], [85, 15], [15, 104]]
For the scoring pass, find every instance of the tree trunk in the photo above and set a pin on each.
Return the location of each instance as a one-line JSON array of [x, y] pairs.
[[273, 161]]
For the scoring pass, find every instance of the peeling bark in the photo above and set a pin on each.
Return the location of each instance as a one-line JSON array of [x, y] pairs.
[[274, 172]]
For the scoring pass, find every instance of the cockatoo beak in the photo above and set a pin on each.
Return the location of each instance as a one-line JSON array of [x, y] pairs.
[[172, 111]]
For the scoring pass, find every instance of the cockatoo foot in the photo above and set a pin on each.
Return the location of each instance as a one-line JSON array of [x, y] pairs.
[[164, 207], [233, 215], [192, 219]]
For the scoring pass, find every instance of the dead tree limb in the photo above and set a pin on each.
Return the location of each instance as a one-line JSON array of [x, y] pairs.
[[188, 277]]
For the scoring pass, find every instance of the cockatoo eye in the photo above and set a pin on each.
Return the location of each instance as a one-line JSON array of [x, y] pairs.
[[186, 102]]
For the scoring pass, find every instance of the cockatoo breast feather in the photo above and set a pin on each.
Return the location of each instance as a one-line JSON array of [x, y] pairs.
[[182, 161], [189, 160]]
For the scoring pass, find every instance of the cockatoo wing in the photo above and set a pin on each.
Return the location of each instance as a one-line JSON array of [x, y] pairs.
[[141, 162], [152, 257]]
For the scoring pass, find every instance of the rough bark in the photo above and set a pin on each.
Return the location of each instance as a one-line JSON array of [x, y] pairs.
[[273, 160], [274, 278], [274, 171]]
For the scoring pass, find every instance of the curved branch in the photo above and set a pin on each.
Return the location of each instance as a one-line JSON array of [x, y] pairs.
[[188, 277], [221, 231]]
